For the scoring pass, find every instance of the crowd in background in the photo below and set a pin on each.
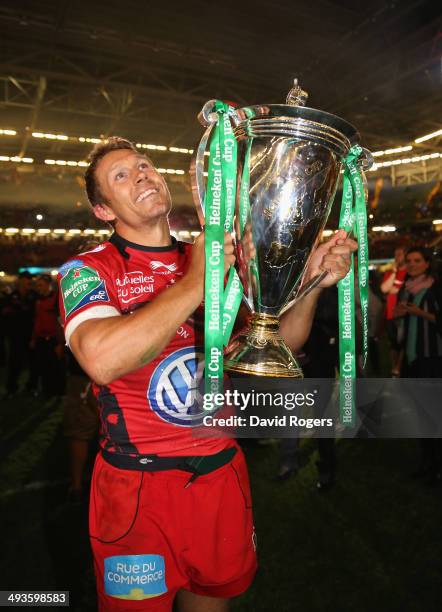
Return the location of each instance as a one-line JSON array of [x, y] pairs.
[[38, 365], [32, 339], [405, 320]]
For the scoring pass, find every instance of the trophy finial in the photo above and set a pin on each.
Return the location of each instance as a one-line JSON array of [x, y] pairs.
[[296, 96]]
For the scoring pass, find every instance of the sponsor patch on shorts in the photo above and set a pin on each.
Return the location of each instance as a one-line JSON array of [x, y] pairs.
[[74, 263], [135, 577], [81, 286]]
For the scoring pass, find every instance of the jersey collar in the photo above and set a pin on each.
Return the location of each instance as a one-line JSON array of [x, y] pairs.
[[122, 244]]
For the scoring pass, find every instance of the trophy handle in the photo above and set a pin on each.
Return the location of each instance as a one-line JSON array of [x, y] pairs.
[[207, 118], [305, 290], [366, 160]]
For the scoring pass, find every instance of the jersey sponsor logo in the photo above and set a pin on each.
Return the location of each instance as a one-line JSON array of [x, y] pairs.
[[133, 285], [135, 577], [173, 391], [74, 263], [158, 266], [82, 286]]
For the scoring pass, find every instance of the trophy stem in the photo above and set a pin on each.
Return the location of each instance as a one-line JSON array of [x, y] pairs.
[[260, 351]]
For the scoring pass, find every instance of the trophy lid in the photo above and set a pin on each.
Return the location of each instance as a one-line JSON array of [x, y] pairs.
[[294, 118]]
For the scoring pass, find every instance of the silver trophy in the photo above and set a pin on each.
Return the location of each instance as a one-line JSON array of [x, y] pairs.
[[293, 156]]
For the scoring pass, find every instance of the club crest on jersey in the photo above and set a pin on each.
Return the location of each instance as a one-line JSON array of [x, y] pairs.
[[158, 267], [81, 286], [174, 393]]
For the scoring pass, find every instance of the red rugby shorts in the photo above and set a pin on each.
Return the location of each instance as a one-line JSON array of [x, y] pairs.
[[152, 536]]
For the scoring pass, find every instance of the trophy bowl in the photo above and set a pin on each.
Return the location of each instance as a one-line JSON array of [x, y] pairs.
[[290, 156]]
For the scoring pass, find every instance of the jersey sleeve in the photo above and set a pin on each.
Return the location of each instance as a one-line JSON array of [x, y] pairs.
[[85, 293]]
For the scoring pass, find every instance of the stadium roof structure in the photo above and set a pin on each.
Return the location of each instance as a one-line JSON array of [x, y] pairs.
[[71, 72]]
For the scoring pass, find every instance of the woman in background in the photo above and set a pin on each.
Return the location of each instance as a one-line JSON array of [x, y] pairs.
[[419, 310]]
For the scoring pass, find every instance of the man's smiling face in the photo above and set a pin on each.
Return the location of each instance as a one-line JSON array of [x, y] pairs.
[[132, 188]]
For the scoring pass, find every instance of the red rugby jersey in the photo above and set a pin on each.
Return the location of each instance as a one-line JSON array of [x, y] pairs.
[[151, 410]]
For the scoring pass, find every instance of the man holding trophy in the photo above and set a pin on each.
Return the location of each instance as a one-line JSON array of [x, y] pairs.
[[170, 513]]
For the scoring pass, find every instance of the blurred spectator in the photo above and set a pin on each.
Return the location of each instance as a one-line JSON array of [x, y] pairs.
[[18, 317], [419, 312], [321, 361], [4, 297], [47, 342], [390, 286], [375, 308], [80, 425]]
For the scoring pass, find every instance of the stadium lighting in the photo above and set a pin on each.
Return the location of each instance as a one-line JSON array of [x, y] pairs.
[[391, 151], [16, 159], [429, 136], [63, 162], [92, 140], [384, 228], [50, 136], [404, 160]]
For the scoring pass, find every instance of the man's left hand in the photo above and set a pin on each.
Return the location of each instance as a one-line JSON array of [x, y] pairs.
[[332, 256]]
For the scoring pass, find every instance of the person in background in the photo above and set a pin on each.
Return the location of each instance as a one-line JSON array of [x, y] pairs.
[[419, 312], [375, 322], [47, 343], [375, 308], [390, 286], [321, 362], [80, 425], [18, 318]]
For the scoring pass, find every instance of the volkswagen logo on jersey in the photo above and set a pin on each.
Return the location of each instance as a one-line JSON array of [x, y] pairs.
[[173, 391]]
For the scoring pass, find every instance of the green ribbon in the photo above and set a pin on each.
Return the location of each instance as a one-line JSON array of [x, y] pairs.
[[221, 307], [234, 291], [244, 191], [244, 217], [353, 217]]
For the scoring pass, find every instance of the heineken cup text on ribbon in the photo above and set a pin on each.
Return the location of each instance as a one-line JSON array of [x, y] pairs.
[[221, 306], [353, 217]]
